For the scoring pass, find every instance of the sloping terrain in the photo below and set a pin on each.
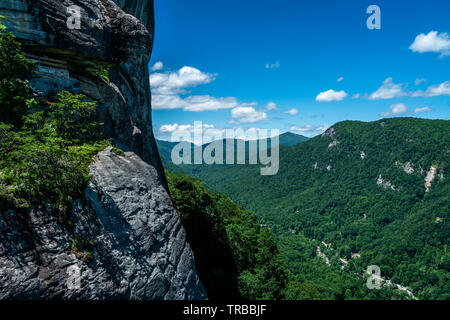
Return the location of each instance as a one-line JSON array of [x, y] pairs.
[[376, 192]]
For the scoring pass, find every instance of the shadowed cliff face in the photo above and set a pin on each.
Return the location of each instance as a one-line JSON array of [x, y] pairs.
[[138, 245]]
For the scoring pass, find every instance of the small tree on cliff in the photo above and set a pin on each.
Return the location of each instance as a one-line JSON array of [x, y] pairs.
[[15, 91]]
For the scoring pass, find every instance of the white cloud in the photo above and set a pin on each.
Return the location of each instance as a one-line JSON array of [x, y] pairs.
[[170, 83], [175, 132], [388, 90], [356, 96], [271, 106], [309, 128], [396, 109], [432, 42], [157, 66], [331, 95], [421, 110], [247, 114], [418, 81], [169, 90], [208, 103], [433, 91], [275, 65], [193, 103], [340, 79], [292, 112]]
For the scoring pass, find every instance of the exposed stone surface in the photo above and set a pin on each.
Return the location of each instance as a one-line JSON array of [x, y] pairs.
[[384, 183], [140, 249], [108, 37], [430, 178]]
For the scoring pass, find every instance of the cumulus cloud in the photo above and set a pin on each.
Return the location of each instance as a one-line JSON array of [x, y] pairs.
[[331, 95], [421, 110], [169, 91], [187, 132], [271, 106], [356, 96], [388, 90], [309, 128], [193, 103], [275, 65], [442, 89], [170, 83], [340, 79], [432, 42], [292, 112], [247, 114], [157, 66], [391, 90], [395, 109]]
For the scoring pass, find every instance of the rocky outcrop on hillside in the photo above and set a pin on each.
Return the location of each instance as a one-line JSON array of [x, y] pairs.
[[139, 248], [133, 245]]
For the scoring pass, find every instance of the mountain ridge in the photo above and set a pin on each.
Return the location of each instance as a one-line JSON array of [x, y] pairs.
[[356, 186]]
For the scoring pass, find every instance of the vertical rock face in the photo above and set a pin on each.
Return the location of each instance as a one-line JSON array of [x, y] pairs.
[[136, 243], [139, 247], [108, 37]]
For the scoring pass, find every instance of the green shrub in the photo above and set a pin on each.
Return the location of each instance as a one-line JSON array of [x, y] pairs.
[[103, 73], [82, 249], [15, 91], [73, 117]]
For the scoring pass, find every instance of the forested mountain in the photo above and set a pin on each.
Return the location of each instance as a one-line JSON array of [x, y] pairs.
[[235, 256], [291, 139], [374, 193], [285, 139]]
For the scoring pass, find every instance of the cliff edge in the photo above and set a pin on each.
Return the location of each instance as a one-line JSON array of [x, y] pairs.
[[134, 244]]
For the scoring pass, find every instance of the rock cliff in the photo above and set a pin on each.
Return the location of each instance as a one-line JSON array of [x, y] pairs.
[[136, 243]]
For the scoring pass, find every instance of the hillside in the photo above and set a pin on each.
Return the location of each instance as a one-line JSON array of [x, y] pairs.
[[285, 139], [235, 257], [361, 189], [290, 139]]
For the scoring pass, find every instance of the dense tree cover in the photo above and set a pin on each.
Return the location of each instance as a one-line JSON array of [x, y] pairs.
[[235, 257], [360, 188], [165, 148]]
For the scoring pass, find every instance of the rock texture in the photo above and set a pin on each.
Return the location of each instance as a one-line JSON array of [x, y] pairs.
[[139, 245], [108, 37]]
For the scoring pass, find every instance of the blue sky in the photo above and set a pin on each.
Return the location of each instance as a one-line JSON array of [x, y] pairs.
[[297, 66]]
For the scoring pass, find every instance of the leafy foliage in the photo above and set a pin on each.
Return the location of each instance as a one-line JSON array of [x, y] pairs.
[[103, 73], [43, 155], [40, 162], [14, 89], [72, 116], [328, 190], [235, 257]]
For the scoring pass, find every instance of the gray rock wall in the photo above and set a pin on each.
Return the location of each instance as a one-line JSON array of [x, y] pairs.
[[108, 37], [139, 245]]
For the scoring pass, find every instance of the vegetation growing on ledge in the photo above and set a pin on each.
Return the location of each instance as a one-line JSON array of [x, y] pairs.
[[103, 73], [82, 249], [44, 155]]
